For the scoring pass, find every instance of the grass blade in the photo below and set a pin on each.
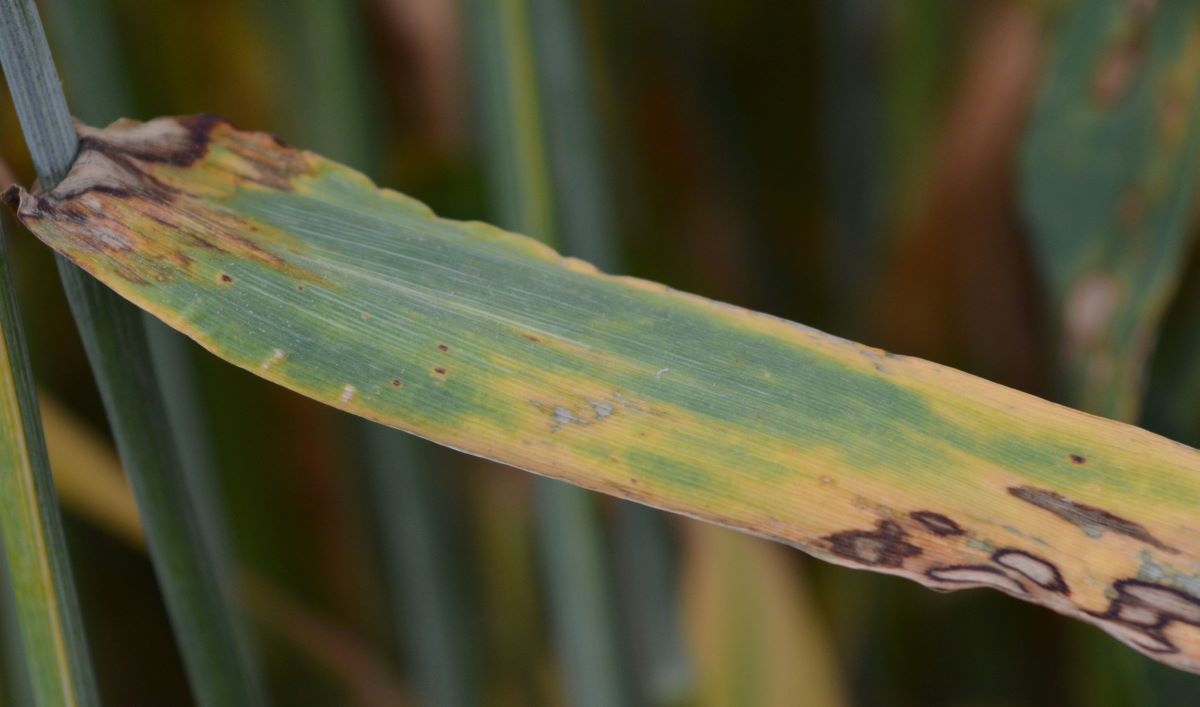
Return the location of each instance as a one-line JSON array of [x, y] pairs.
[[192, 581], [306, 274], [44, 594], [430, 612], [584, 216], [754, 629], [88, 476], [14, 678], [1110, 226], [521, 157], [428, 604]]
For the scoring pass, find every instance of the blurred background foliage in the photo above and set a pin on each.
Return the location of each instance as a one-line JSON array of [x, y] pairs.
[[849, 164]]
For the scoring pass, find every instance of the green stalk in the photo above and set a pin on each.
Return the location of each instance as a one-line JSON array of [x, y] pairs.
[[584, 218], [1110, 228], [14, 678], [43, 592], [429, 609], [87, 42], [333, 113], [194, 585], [524, 188]]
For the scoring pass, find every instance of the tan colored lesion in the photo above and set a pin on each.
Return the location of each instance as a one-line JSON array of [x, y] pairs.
[[1144, 611], [1038, 570], [1093, 521], [139, 200], [976, 576], [885, 546]]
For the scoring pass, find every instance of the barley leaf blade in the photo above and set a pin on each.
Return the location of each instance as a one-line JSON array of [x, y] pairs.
[[1108, 175], [301, 271], [533, 169], [194, 589], [51, 626]]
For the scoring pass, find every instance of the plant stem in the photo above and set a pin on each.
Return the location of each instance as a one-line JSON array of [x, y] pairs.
[[334, 113], [521, 157], [51, 624], [195, 586]]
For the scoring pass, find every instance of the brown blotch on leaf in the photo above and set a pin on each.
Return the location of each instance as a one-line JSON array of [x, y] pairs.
[[1091, 520], [1038, 570], [1148, 609], [1118, 69], [440, 371], [885, 546], [225, 277], [937, 523], [1078, 459], [532, 338], [299, 288], [12, 196], [443, 348], [396, 383], [1132, 207]]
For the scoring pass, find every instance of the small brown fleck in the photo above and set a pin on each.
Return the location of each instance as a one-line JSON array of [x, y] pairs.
[[1174, 121], [1132, 207], [1078, 459], [396, 383], [440, 371], [443, 348], [532, 338], [937, 523], [226, 278], [299, 288]]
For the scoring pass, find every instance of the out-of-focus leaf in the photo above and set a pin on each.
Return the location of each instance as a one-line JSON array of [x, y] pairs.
[[752, 626], [1107, 178], [35, 551], [305, 273], [540, 145], [88, 475]]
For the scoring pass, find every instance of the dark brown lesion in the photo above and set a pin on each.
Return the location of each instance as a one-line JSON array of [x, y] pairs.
[[184, 148], [1090, 519], [1149, 609], [1036, 569], [976, 576], [120, 161], [885, 546], [937, 523]]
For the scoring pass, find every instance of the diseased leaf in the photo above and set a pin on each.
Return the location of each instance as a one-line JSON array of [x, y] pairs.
[[1108, 177], [303, 272], [54, 648]]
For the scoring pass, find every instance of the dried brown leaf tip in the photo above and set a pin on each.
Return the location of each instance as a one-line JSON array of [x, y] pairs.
[[132, 159], [148, 195]]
